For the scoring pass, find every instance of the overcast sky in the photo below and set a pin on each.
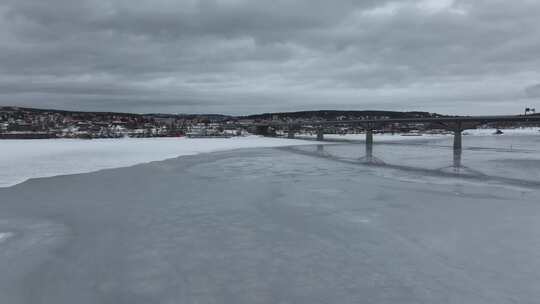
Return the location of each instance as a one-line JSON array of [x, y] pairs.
[[248, 56]]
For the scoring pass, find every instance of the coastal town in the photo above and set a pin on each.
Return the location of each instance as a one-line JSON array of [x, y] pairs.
[[30, 123], [26, 123]]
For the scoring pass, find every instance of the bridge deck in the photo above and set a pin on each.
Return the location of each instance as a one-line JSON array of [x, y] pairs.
[[453, 119], [456, 124]]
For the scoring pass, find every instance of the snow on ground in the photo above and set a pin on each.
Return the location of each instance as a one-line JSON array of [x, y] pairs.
[[518, 131], [24, 159]]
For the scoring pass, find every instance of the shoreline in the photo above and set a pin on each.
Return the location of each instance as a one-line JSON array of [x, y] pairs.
[[27, 159], [23, 160]]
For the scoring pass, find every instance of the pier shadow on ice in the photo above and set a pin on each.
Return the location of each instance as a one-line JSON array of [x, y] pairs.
[[436, 159]]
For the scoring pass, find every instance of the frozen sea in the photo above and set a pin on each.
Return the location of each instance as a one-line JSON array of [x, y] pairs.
[[300, 224]]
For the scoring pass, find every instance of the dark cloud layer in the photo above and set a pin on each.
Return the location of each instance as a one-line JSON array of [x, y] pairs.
[[241, 56]]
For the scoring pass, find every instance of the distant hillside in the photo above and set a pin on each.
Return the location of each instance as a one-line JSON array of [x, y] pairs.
[[65, 112], [88, 115], [210, 117], [337, 115], [301, 115]]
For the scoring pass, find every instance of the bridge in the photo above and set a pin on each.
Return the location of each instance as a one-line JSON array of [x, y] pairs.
[[455, 124]]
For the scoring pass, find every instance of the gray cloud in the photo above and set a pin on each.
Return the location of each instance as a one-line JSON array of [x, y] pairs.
[[240, 56]]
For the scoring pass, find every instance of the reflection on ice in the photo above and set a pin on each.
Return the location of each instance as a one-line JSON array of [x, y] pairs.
[[513, 159], [457, 159]]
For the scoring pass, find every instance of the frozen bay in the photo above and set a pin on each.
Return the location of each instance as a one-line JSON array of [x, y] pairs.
[[281, 225]]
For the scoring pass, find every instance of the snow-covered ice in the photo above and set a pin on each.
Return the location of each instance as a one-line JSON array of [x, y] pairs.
[[515, 131], [24, 159]]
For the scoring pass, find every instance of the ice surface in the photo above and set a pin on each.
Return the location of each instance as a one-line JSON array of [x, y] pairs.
[[306, 224], [386, 137], [24, 159], [499, 156], [5, 235]]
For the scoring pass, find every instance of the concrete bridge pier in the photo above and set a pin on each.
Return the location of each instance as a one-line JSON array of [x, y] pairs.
[[369, 145], [320, 134], [458, 145]]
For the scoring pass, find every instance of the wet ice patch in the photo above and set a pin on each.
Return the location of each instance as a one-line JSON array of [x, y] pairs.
[[361, 220], [29, 236], [25, 245], [4, 236]]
